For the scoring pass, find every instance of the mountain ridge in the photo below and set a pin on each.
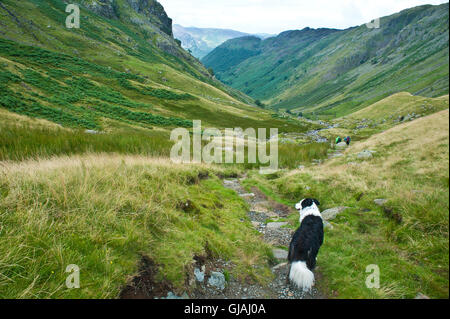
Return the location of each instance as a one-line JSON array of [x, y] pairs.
[[330, 72]]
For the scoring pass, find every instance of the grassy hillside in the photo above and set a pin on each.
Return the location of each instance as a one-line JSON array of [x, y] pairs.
[[229, 55], [118, 69], [401, 104], [102, 213], [408, 237], [331, 73], [385, 114]]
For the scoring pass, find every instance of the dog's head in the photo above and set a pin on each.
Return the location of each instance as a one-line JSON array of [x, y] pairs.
[[307, 202]]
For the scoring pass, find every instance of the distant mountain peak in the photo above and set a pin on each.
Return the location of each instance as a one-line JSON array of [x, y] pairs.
[[154, 9], [201, 41]]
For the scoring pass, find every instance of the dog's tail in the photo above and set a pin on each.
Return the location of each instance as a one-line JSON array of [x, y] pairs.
[[301, 275]]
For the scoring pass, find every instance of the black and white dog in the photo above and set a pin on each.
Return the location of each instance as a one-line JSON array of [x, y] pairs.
[[305, 244]]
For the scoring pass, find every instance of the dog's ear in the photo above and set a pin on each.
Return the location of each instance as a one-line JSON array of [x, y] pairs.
[[316, 202]]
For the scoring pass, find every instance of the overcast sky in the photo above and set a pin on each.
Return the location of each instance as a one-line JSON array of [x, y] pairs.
[[275, 16]]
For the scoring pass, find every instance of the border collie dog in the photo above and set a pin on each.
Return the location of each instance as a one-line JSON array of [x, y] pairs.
[[305, 244]]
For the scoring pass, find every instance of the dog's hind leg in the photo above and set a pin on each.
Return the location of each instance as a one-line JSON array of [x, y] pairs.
[[288, 273]]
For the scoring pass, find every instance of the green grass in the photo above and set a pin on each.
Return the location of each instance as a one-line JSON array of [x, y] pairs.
[[293, 155], [28, 140], [57, 72], [401, 104], [80, 80], [76, 93], [103, 213], [384, 115], [24, 141], [328, 73], [102, 201], [74, 99], [408, 239]]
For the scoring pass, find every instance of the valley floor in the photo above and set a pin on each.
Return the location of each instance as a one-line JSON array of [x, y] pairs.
[[132, 222]]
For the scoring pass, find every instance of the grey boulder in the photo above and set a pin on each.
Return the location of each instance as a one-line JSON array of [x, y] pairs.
[[365, 154], [331, 213]]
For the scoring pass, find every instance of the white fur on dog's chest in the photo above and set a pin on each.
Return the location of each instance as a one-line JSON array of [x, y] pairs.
[[310, 211]]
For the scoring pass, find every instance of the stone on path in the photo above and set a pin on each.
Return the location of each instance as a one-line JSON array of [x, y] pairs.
[[217, 280], [336, 154], [199, 275], [279, 266], [276, 225], [341, 146], [229, 182], [261, 207], [280, 254], [278, 236], [171, 295]]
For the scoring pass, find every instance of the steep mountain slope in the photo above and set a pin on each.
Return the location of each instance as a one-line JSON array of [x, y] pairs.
[[229, 55], [201, 41], [336, 72], [122, 67]]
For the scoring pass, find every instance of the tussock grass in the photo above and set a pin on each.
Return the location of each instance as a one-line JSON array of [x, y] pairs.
[[26, 140], [408, 238], [293, 155], [23, 138], [101, 212]]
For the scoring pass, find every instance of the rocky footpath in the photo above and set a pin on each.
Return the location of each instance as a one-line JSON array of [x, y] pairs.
[[274, 233], [210, 278]]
